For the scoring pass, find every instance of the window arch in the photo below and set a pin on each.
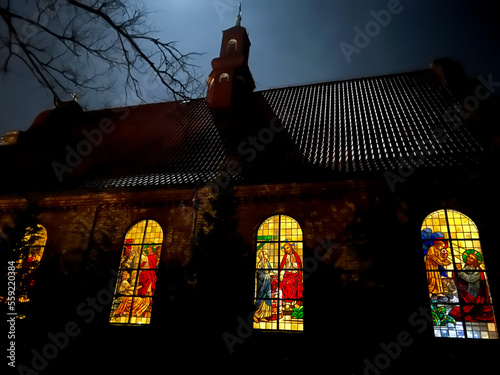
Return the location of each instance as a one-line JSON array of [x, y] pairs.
[[31, 251], [231, 45], [224, 77], [279, 275], [456, 277], [210, 82], [135, 287]]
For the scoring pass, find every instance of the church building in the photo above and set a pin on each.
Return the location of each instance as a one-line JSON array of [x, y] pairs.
[[345, 226]]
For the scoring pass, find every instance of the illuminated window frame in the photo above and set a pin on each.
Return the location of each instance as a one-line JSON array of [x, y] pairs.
[[232, 44], [460, 299], [276, 279], [31, 252], [135, 287], [224, 77]]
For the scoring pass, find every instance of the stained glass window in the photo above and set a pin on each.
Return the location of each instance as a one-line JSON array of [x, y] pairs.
[[460, 300], [31, 251], [135, 287], [279, 275]]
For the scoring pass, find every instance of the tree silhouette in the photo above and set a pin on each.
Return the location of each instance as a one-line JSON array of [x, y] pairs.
[[87, 45]]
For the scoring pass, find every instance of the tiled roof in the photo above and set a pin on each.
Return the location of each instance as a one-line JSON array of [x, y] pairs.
[[346, 128], [161, 144], [369, 124]]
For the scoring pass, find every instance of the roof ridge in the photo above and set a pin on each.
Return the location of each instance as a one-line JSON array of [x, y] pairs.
[[343, 80], [142, 105]]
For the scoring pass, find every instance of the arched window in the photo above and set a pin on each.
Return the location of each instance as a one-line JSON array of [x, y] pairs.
[[224, 77], [231, 45], [135, 287], [279, 275], [30, 254], [459, 294], [210, 82]]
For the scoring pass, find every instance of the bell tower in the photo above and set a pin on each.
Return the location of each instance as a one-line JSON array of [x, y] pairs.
[[230, 81]]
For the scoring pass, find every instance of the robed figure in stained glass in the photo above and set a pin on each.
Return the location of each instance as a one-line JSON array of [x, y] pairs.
[[279, 275], [133, 299], [460, 299], [147, 277], [146, 285], [129, 257], [437, 256], [125, 289], [263, 309], [291, 276], [473, 290]]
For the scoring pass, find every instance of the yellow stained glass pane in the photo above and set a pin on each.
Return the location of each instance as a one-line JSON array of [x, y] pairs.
[[133, 299], [38, 237], [30, 256], [279, 278], [459, 293], [290, 229], [463, 224]]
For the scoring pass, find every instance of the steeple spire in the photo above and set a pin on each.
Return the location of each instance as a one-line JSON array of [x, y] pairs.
[[230, 82], [238, 18]]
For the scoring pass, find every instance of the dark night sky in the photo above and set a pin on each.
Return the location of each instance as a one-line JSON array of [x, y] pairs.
[[297, 41]]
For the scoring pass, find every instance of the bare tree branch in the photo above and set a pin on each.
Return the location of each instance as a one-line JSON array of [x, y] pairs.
[[73, 45]]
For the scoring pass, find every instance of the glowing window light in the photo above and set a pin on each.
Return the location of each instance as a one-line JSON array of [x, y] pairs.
[[231, 45], [224, 77], [133, 299], [31, 251], [460, 299], [279, 275]]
